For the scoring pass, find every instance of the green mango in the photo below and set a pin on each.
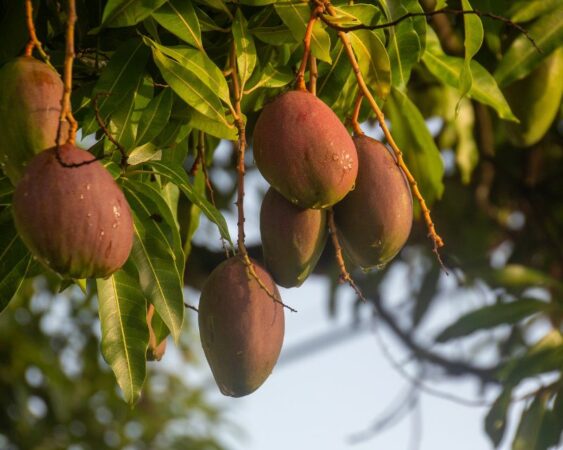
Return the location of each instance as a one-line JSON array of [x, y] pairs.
[[30, 107], [535, 100]]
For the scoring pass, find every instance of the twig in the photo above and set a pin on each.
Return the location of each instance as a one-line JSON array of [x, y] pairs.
[[450, 11], [344, 274], [354, 120], [437, 240], [313, 74], [241, 147], [34, 42], [193, 308], [105, 130], [300, 77]]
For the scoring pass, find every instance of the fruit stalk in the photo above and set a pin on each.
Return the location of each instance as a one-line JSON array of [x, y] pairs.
[[437, 240], [300, 77], [34, 42]]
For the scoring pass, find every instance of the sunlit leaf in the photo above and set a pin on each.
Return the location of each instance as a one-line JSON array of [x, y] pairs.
[[179, 17], [365, 14], [528, 434], [125, 334], [245, 49], [473, 40], [496, 419], [271, 77]]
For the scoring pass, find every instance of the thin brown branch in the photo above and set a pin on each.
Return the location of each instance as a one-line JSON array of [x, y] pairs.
[[355, 114], [436, 239], [193, 308], [449, 11], [34, 42], [66, 108], [344, 274], [300, 77]]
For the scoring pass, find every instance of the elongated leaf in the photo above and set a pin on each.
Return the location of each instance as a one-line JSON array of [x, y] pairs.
[[276, 35], [218, 129], [492, 316], [329, 86], [125, 13], [150, 191], [521, 58], [245, 48], [473, 40], [155, 261], [528, 434], [495, 421], [15, 261], [421, 154], [122, 73], [373, 61], [155, 117], [526, 10], [448, 70], [296, 16], [364, 13], [179, 17], [190, 88], [199, 64], [271, 77], [125, 334], [177, 175], [404, 46]]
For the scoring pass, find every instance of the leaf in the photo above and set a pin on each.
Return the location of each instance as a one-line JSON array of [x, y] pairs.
[[124, 70], [495, 421], [125, 334], [528, 433], [365, 14], [276, 35], [15, 262], [155, 261], [526, 10], [190, 88], [245, 49], [404, 46], [177, 175], [373, 61], [296, 16], [125, 13], [516, 276], [448, 70], [329, 86], [467, 153], [217, 129], [521, 57], [155, 117], [179, 17], [473, 40], [199, 64], [420, 152], [492, 316], [271, 77]]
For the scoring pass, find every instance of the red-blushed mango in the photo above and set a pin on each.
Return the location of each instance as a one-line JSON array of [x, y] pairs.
[[241, 327], [30, 106], [304, 151], [293, 239], [75, 220], [374, 220]]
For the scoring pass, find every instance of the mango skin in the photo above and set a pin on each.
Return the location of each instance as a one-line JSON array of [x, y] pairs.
[[30, 106], [76, 221], [304, 151], [535, 100], [241, 327], [374, 220], [293, 239]]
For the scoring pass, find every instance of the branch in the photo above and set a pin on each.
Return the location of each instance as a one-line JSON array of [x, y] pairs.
[[33, 41], [450, 11], [300, 77]]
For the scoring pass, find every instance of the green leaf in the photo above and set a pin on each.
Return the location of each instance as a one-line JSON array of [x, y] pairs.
[[148, 191], [190, 88], [6, 190], [155, 117], [125, 334], [420, 152], [373, 61], [179, 17], [521, 58], [15, 262], [296, 16], [199, 64], [528, 434], [467, 152], [329, 85], [276, 35], [496, 419], [156, 263], [492, 316], [404, 46], [123, 72], [177, 175], [125, 13], [448, 70], [473, 40], [365, 14], [526, 10], [245, 48], [218, 129], [516, 276], [271, 77]]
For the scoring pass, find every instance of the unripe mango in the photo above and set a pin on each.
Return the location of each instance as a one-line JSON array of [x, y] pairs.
[[374, 220], [30, 106], [304, 151], [75, 220], [293, 239], [241, 327]]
